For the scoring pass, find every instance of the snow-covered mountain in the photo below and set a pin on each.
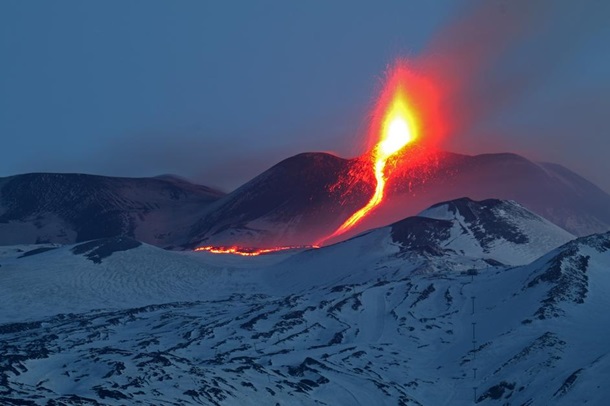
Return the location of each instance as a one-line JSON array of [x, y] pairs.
[[421, 312], [294, 202], [67, 208], [87, 272], [493, 229]]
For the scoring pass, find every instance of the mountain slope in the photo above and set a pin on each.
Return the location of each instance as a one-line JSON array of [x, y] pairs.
[[339, 325], [117, 273], [66, 208], [295, 202], [500, 230], [549, 190], [94, 274]]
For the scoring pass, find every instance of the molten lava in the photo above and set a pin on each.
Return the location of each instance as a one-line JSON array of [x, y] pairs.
[[394, 127], [249, 252], [408, 106]]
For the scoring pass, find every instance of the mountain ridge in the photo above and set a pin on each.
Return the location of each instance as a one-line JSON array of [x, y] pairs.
[[64, 208], [365, 321], [298, 201], [551, 191]]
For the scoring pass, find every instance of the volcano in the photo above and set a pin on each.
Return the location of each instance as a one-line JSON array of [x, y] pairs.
[[293, 202], [296, 202]]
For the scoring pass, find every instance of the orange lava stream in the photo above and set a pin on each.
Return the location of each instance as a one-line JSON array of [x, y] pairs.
[[398, 129], [249, 252], [406, 101], [375, 200]]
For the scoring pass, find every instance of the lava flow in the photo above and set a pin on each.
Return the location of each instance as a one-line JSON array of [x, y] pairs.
[[249, 252], [407, 101], [395, 126]]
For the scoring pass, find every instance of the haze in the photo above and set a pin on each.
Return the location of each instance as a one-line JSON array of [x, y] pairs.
[[219, 91]]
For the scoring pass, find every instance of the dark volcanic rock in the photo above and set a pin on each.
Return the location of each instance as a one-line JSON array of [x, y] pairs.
[[100, 249], [549, 190], [421, 234], [306, 197], [485, 223], [293, 203]]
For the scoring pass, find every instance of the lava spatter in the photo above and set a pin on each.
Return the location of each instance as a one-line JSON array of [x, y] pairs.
[[394, 126]]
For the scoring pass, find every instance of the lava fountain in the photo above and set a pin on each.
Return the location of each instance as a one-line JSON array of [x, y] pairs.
[[395, 144], [394, 125]]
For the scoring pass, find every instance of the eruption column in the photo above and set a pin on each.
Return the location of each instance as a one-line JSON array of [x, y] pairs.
[[398, 128], [406, 101]]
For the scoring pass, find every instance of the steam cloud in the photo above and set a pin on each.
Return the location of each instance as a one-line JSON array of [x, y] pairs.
[[525, 76]]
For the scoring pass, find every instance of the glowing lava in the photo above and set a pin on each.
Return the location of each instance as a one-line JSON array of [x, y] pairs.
[[249, 252], [397, 129], [408, 106]]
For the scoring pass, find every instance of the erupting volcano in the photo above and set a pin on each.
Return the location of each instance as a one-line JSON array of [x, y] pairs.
[[394, 131], [395, 142]]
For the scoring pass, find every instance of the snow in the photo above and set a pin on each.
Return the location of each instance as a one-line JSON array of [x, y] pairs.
[[360, 322], [542, 235], [58, 281], [46, 227]]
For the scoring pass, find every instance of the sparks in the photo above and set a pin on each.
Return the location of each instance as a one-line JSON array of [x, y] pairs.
[[408, 106], [394, 127], [250, 252]]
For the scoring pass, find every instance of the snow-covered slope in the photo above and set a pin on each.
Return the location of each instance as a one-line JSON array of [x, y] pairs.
[[372, 321], [116, 273], [500, 230], [67, 208]]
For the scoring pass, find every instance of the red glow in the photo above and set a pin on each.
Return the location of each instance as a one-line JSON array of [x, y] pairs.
[[249, 252], [404, 133], [405, 128]]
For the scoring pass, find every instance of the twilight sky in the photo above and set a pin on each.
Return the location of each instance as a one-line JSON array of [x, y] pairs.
[[220, 91]]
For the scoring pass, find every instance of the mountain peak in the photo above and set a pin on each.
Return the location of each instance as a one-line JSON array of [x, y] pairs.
[[307, 196], [495, 229], [68, 208]]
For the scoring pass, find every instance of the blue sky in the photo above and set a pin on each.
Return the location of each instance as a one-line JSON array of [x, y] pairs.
[[219, 91]]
